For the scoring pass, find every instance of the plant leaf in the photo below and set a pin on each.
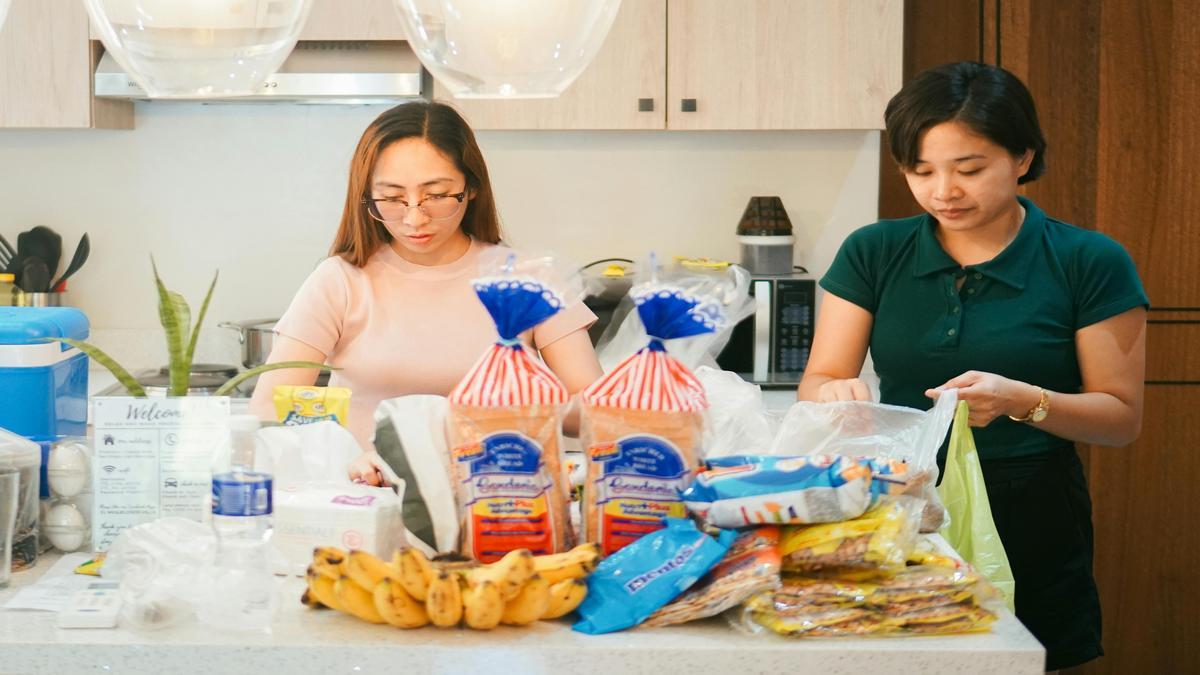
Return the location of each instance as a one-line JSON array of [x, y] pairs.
[[242, 377], [191, 348], [172, 323], [131, 385]]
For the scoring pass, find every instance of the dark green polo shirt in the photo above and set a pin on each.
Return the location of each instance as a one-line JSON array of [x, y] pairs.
[[1016, 315]]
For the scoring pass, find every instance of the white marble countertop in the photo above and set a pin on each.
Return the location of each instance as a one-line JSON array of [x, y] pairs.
[[310, 641]]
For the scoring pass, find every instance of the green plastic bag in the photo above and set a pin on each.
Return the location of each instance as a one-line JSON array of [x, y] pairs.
[[971, 530]]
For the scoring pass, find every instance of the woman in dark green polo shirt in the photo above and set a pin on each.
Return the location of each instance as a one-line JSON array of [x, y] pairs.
[[1040, 325]]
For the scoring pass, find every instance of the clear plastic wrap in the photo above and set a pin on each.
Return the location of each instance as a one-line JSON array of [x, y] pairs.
[[727, 287], [880, 539], [875, 431], [643, 423], [165, 570], [504, 420], [750, 567], [919, 600]]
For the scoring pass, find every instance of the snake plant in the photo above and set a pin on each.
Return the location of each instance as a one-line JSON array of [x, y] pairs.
[[176, 318]]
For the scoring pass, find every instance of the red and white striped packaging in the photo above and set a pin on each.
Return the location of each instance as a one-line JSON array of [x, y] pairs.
[[642, 430], [504, 426]]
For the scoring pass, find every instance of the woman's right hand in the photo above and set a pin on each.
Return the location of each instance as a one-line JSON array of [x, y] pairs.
[[366, 469], [852, 389]]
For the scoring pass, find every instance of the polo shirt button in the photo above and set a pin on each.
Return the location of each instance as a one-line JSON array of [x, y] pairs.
[[978, 276], [952, 332], [956, 310], [971, 291]]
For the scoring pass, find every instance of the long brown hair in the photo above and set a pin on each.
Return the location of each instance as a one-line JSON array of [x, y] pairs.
[[359, 235]]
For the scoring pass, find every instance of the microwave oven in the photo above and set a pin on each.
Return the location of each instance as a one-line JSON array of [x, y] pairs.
[[770, 347]]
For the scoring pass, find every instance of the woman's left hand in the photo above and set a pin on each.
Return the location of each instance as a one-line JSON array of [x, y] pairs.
[[989, 396]]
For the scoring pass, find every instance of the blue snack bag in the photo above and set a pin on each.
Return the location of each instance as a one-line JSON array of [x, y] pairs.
[[636, 581], [768, 490]]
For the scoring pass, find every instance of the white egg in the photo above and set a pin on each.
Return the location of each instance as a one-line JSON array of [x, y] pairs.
[[65, 527], [67, 469]]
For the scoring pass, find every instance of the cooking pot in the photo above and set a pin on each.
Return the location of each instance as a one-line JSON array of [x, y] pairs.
[[256, 336]]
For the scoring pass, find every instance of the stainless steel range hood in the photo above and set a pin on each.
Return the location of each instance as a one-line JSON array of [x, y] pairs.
[[315, 72]]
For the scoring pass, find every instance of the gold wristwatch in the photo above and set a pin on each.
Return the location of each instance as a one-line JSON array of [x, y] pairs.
[[1038, 412]]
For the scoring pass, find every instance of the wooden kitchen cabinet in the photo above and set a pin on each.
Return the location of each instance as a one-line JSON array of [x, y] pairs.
[[751, 64], [782, 64], [46, 66], [353, 20], [630, 66]]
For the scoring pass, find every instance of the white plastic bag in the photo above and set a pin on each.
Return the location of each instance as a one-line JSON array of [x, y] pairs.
[[411, 435], [165, 571], [866, 429], [737, 418]]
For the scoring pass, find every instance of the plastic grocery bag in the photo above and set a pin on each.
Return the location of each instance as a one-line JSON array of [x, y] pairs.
[[971, 530], [739, 423], [862, 429]]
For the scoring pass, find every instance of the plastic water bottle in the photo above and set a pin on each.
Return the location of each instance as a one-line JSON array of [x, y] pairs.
[[244, 594]]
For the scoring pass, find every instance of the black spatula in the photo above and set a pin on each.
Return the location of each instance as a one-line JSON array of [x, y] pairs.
[[82, 250]]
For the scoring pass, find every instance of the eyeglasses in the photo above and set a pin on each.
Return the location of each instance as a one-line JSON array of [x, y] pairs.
[[435, 207]]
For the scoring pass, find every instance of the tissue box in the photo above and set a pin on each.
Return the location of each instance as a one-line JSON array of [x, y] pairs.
[[355, 517]]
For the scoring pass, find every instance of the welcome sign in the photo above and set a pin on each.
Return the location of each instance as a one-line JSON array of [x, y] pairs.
[[153, 458]]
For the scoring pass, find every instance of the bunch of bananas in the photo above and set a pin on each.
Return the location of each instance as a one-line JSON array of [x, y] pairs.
[[412, 591]]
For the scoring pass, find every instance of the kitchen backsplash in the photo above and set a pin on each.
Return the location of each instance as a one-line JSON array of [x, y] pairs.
[[256, 191]]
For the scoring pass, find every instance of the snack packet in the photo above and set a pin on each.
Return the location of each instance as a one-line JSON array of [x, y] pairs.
[[504, 422], [295, 405], [759, 490], [751, 566], [643, 423], [631, 584], [880, 539]]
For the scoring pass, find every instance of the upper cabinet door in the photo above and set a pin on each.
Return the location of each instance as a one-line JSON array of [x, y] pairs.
[[782, 64], [623, 88], [46, 65], [352, 20]]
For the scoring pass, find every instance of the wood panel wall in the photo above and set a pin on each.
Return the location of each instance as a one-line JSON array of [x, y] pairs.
[[1117, 84]]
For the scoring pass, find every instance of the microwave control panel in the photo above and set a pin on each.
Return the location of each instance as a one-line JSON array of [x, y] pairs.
[[793, 312]]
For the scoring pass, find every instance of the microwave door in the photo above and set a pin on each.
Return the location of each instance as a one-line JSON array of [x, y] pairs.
[[762, 330]]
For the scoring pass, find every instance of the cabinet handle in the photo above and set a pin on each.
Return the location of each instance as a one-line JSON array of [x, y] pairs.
[[645, 105], [687, 105]]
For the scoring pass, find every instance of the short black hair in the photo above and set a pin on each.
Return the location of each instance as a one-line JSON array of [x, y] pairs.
[[989, 100]]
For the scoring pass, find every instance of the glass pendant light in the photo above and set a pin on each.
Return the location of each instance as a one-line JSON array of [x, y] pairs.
[[506, 48], [199, 48]]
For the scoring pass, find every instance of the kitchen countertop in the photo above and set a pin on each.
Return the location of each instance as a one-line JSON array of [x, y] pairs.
[[305, 640]]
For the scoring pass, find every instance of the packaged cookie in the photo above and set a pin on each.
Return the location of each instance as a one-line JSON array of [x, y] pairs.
[[504, 422], [749, 567], [642, 424], [879, 540]]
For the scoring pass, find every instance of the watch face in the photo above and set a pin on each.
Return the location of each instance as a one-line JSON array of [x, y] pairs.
[[1038, 415]]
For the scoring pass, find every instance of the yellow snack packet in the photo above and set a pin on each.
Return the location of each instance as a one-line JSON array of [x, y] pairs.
[[295, 405]]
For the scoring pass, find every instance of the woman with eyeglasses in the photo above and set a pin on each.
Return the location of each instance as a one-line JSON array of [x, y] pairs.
[[393, 307]]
